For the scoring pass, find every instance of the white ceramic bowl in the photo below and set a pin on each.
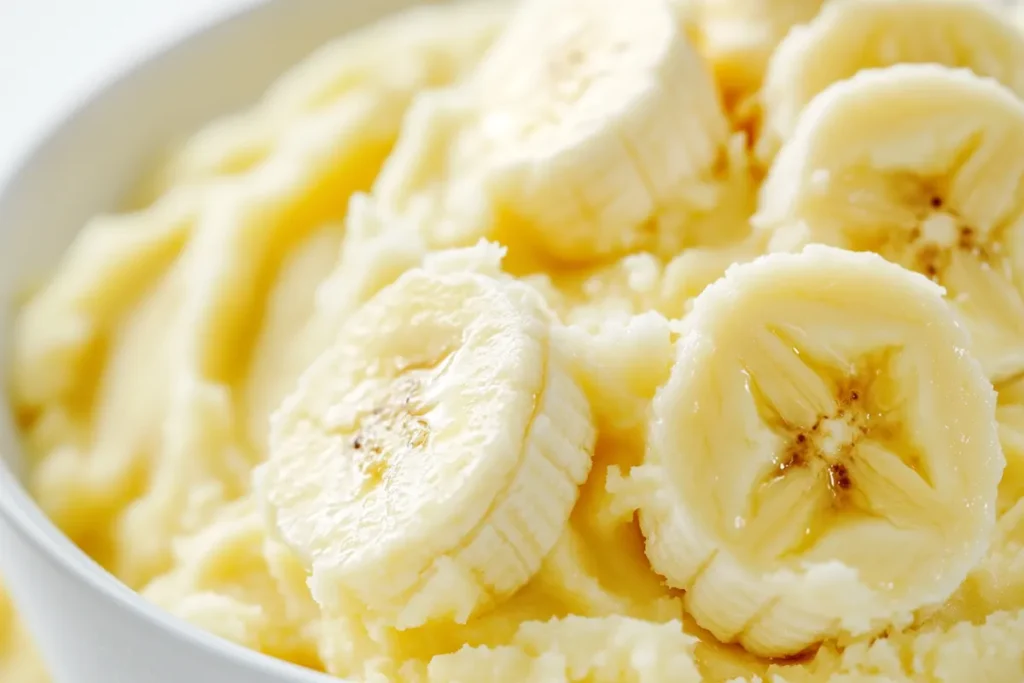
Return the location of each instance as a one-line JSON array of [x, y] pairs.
[[89, 627]]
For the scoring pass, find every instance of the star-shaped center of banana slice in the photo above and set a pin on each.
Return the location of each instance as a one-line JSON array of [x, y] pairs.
[[838, 453], [922, 164], [837, 436], [920, 225], [935, 238], [823, 461], [972, 264]]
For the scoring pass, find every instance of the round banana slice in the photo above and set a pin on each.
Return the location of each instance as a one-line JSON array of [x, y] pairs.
[[823, 461], [851, 35], [924, 165], [429, 459], [598, 113]]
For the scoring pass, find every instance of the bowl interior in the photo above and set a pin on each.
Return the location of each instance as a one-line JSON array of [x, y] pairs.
[[88, 160], [91, 158]]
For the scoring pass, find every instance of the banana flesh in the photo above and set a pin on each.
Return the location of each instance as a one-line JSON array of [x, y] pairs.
[[112, 262], [429, 459], [244, 227], [605, 437], [849, 36], [397, 56], [432, 181], [924, 165], [599, 114], [589, 130], [823, 461]]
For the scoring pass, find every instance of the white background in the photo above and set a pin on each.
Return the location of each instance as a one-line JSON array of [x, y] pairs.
[[54, 51]]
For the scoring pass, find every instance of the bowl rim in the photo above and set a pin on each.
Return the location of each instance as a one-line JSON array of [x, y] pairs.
[[17, 507]]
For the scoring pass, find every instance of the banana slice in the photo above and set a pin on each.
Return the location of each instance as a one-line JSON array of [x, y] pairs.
[[851, 35], [924, 165], [823, 461], [598, 114], [429, 459]]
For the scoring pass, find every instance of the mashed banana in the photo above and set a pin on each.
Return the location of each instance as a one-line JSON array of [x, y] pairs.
[[382, 376]]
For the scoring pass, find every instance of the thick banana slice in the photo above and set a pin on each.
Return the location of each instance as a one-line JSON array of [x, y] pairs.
[[823, 461], [851, 35], [429, 459], [924, 165], [598, 114]]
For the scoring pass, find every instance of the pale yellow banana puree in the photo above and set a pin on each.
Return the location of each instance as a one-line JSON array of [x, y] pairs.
[[148, 369]]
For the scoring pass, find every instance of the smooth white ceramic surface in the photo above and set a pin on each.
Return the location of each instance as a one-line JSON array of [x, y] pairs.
[[89, 627]]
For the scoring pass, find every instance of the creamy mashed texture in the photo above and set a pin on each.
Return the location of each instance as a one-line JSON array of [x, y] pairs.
[[365, 377]]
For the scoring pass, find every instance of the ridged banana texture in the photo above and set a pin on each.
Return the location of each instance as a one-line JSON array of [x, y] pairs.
[[823, 461], [924, 165], [429, 459], [599, 114], [851, 35], [591, 128]]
